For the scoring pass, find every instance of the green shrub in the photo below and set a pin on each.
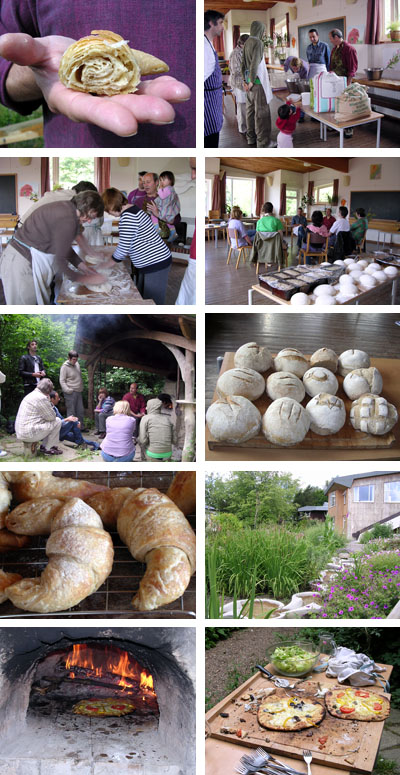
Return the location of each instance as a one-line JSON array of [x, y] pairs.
[[215, 634], [378, 531]]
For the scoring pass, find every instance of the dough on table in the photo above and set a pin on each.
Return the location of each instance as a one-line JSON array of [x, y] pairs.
[[100, 288]]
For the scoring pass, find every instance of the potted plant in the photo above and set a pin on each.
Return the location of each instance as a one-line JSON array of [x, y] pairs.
[[307, 200], [268, 43], [393, 31]]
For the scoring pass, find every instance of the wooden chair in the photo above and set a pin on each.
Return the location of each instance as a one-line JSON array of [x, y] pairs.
[[310, 252], [361, 245], [233, 235], [214, 215]]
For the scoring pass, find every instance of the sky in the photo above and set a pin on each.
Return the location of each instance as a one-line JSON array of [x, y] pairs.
[[317, 473]]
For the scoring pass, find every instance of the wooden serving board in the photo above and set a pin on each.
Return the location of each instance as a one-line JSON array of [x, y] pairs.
[[346, 438], [354, 741]]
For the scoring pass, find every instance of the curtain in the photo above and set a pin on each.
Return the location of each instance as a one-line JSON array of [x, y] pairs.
[[216, 195], [219, 44], [260, 193], [102, 173], [44, 175], [287, 29], [335, 193], [222, 195], [310, 191], [373, 26], [272, 27], [236, 34], [282, 206]]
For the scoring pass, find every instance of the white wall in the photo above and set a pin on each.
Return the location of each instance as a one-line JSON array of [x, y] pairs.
[[29, 174], [243, 19]]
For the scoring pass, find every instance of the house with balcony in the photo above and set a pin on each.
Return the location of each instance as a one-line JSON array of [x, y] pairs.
[[357, 502]]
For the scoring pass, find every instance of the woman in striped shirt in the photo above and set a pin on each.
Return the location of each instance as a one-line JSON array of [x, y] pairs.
[[139, 241]]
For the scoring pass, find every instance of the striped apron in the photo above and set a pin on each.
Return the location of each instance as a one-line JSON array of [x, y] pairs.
[[213, 118]]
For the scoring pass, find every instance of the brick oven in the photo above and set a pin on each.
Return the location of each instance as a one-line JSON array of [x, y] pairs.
[[97, 701]]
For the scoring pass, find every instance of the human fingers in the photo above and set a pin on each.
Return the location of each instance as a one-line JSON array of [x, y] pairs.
[[21, 49], [102, 111], [167, 88], [146, 109]]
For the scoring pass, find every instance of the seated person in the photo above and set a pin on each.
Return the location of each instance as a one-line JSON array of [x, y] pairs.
[[235, 223], [36, 421], [268, 222], [298, 220], [329, 219], [342, 224], [70, 426], [118, 445], [359, 228], [103, 410], [167, 403], [157, 433], [318, 231]]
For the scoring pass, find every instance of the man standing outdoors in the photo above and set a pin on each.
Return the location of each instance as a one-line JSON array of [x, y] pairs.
[[343, 61], [137, 403], [317, 54], [213, 117], [72, 386], [138, 195], [31, 367], [258, 88]]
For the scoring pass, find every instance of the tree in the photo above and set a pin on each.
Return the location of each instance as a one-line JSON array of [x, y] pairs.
[[253, 496], [73, 169], [310, 496], [216, 491]]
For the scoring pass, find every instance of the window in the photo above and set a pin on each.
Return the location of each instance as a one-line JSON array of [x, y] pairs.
[[322, 193], [392, 492], [364, 493], [390, 10], [67, 170], [344, 498], [292, 199], [332, 499], [241, 192], [208, 196]]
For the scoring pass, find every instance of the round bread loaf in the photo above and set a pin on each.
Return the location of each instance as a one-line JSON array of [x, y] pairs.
[[327, 414], [291, 360], [361, 381], [353, 359], [325, 358], [233, 419], [284, 384], [373, 414], [241, 382], [253, 356], [319, 380], [285, 422]]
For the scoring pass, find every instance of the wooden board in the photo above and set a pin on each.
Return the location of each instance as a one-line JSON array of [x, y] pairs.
[[347, 438], [355, 739], [364, 297], [123, 290]]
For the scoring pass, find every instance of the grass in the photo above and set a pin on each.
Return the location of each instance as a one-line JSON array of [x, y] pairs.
[[8, 117]]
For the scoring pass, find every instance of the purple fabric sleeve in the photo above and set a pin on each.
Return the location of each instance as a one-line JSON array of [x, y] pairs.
[[166, 30]]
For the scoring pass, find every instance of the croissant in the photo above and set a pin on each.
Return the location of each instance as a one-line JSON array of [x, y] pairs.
[[80, 556], [6, 579], [5, 499], [34, 517], [39, 484], [9, 541], [103, 63], [157, 533], [182, 491]]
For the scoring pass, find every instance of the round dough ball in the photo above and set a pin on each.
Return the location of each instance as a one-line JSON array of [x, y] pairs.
[[284, 384], [380, 276], [320, 380], [233, 419], [324, 290], [101, 288], [373, 414], [355, 274], [241, 382], [371, 268], [346, 279], [253, 356], [367, 281], [285, 422], [391, 271], [349, 261], [339, 262], [353, 359], [291, 360], [325, 358], [362, 264], [361, 381], [299, 299], [326, 263], [325, 299], [327, 414]]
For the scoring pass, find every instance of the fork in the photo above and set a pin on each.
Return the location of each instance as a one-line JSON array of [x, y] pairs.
[[307, 756], [262, 759], [244, 769], [261, 763]]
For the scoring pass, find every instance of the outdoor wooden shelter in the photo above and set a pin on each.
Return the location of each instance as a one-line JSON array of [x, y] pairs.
[[160, 344]]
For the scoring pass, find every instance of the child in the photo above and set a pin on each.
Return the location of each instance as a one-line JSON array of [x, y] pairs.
[[167, 191], [288, 116]]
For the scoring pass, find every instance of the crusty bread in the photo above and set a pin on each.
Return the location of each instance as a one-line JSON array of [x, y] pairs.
[[6, 579], [182, 491], [5, 499], [34, 517], [285, 422], [40, 484], [233, 419]]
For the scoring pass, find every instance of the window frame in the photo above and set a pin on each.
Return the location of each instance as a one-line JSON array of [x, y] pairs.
[[356, 492], [387, 19], [232, 178], [385, 486], [332, 499], [316, 193], [296, 190]]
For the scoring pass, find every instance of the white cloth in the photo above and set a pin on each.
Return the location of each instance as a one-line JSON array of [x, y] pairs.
[[262, 73], [209, 58], [187, 291], [341, 224], [315, 69], [240, 95], [44, 269], [241, 117], [358, 669], [284, 141]]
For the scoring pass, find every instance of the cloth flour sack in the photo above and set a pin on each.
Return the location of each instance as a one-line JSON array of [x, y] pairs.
[[353, 103], [324, 88]]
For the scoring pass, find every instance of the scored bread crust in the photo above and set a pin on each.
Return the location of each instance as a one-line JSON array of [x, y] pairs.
[[265, 716], [331, 700], [103, 63]]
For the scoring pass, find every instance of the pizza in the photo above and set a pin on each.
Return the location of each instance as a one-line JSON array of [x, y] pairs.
[[107, 707], [288, 714], [352, 702]]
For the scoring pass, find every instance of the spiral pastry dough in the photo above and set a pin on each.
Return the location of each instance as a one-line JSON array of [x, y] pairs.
[[103, 63]]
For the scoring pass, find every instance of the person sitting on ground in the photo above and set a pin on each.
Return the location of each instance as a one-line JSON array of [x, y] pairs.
[[137, 403], [268, 221], [167, 403], [118, 445], [157, 433], [138, 195], [288, 116], [318, 231], [168, 197], [342, 224], [235, 224], [329, 219], [103, 410], [70, 428], [359, 228], [36, 421]]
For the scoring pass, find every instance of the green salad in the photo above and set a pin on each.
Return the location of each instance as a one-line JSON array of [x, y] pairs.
[[293, 659]]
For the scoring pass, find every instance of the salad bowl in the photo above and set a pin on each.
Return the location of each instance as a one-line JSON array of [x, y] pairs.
[[294, 659]]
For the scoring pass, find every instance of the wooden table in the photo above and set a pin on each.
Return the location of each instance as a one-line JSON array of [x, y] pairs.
[[216, 227], [367, 297], [222, 755], [383, 83], [327, 120], [124, 291]]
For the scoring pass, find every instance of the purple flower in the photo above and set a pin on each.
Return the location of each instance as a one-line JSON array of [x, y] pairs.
[[351, 608], [366, 605], [340, 613]]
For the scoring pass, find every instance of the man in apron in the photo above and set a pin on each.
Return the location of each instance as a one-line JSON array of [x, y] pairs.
[[257, 86], [343, 61], [317, 54], [213, 116]]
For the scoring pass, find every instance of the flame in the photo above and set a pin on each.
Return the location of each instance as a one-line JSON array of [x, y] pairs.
[[101, 661], [146, 681]]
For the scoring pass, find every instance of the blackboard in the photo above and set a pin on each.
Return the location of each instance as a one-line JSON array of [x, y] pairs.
[[323, 28], [8, 194], [383, 204]]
